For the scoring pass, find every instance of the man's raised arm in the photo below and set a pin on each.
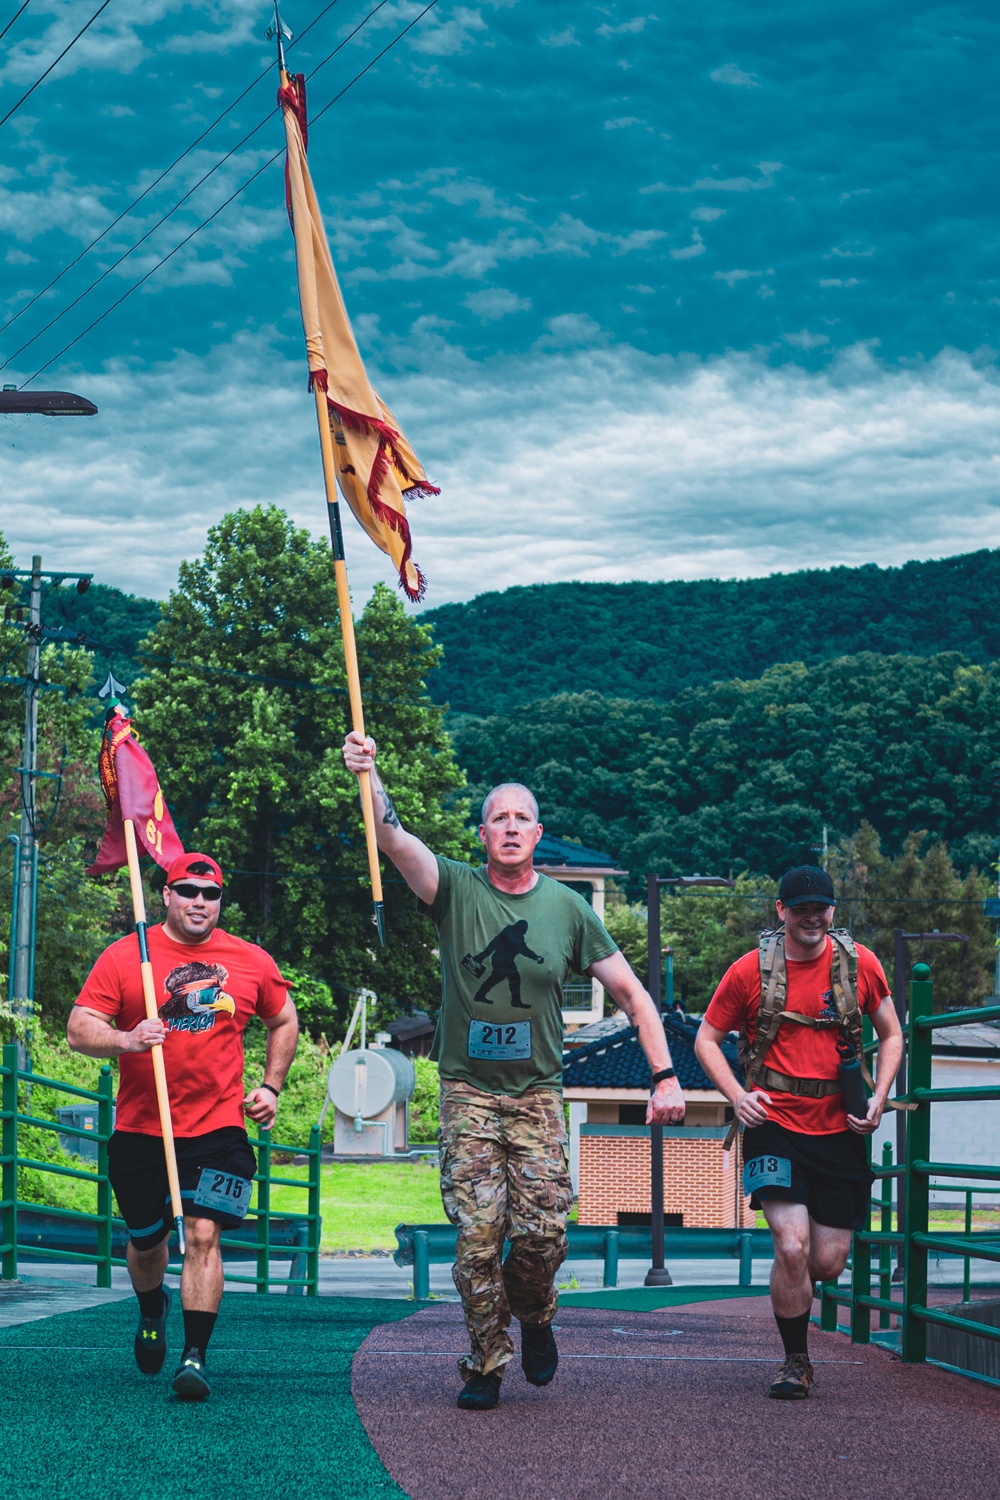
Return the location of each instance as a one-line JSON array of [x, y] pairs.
[[410, 855]]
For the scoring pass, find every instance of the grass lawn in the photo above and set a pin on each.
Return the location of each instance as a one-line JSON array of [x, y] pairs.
[[362, 1203]]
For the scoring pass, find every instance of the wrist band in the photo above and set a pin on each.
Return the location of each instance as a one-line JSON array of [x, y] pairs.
[[271, 1088], [661, 1075]]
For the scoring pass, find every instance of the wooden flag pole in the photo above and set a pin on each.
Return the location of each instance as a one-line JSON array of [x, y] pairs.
[[350, 649], [156, 1052]]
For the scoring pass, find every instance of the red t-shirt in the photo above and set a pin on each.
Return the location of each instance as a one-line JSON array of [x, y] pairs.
[[798, 1051], [206, 994]]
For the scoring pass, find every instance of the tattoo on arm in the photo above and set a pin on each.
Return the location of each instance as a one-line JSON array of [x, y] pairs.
[[390, 816]]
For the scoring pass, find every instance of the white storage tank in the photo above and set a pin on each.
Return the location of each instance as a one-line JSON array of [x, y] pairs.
[[370, 1089]]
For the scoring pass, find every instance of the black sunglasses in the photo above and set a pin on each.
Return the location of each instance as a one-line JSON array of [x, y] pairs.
[[191, 892]]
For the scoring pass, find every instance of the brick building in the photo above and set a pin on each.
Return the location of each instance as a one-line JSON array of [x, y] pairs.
[[606, 1084]]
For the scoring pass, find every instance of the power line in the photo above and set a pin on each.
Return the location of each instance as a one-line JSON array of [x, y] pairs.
[[52, 65], [10, 23], [233, 196], [155, 183], [169, 214]]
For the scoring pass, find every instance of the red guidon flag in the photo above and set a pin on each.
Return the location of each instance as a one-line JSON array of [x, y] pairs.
[[131, 790], [377, 470]]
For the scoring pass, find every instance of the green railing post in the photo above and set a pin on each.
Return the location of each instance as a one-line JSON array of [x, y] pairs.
[[746, 1258], [967, 1276], [105, 1087], [918, 1148], [312, 1257], [264, 1212], [829, 1312], [8, 1216], [861, 1285], [885, 1225]]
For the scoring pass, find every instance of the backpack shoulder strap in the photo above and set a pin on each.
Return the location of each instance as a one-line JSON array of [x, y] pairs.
[[773, 988]]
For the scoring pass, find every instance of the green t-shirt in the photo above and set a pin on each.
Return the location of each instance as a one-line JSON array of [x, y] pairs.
[[504, 960]]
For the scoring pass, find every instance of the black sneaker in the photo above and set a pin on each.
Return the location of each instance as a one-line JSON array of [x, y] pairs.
[[481, 1392], [539, 1356], [190, 1381], [151, 1340], [794, 1379]]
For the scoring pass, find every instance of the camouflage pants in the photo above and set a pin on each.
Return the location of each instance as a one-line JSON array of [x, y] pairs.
[[504, 1173]]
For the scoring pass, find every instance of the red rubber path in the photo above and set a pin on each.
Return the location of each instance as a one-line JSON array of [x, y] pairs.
[[675, 1408]]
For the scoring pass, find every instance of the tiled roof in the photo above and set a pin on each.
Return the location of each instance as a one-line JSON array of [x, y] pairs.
[[553, 851], [618, 1062]]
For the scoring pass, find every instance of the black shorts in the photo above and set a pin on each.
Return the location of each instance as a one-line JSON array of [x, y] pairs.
[[138, 1173], [829, 1173]]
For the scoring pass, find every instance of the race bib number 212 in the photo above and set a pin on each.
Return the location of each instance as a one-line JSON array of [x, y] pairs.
[[500, 1043]]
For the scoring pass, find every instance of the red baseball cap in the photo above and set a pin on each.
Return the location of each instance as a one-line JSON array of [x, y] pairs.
[[201, 865]]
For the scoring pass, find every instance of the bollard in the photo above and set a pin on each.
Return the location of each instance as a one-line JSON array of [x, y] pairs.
[[611, 1258], [746, 1258], [421, 1266]]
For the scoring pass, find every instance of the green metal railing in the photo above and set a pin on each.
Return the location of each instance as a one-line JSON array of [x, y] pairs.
[[913, 1238], [262, 1250]]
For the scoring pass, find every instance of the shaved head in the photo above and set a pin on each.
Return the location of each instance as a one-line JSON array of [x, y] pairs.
[[505, 789]]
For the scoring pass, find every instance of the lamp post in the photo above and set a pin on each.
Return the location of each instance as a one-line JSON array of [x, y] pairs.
[[658, 1275], [24, 902]]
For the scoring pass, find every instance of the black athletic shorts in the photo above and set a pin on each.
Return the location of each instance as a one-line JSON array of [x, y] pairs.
[[216, 1168], [828, 1173]]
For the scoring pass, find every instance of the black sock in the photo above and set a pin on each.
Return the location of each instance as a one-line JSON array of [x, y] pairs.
[[794, 1334], [197, 1329], [151, 1303]]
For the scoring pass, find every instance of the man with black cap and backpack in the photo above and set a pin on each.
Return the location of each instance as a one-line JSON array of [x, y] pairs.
[[798, 1002]]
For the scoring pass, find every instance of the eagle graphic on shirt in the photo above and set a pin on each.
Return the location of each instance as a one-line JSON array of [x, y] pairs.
[[195, 996]]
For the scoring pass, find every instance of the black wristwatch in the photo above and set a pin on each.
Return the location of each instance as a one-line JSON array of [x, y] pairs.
[[660, 1076]]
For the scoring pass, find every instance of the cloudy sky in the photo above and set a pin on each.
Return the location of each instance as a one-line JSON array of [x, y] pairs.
[[665, 292]]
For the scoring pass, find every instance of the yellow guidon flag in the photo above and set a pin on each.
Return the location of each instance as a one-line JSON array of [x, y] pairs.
[[377, 470]]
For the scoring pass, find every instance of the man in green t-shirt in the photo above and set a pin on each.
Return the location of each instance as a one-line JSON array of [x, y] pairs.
[[508, 938]]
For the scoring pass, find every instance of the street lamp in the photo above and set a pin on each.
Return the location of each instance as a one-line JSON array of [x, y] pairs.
[[44, 403], [21, 983], [658, 1275]]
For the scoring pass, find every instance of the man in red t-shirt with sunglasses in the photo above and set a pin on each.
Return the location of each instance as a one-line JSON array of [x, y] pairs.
[[804, 1155], [209, 985]]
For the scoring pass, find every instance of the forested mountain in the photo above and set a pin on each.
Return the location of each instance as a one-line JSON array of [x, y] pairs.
[[653, 640], [112, 622], [742, 775]]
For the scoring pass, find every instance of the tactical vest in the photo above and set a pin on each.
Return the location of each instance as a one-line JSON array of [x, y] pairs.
[[772, 1015]]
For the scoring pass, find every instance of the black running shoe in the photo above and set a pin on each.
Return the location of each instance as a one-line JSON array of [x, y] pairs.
[[191, 1381], [151, 1340], [481, 1392], [539, 1356]]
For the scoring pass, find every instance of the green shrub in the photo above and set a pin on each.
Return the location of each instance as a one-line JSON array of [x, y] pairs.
[[424, 1104]]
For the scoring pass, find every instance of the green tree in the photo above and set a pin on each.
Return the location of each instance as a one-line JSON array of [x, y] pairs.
[[918, 891], [243, 707]]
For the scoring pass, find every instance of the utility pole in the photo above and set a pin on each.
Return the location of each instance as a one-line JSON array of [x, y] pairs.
[[24, 904], [22, 989]]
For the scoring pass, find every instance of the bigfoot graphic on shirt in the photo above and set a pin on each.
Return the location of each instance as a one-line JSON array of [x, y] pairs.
[[504, 950], [195, 997]]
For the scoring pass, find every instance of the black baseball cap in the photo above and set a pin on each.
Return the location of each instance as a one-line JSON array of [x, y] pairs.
[[804, 885]]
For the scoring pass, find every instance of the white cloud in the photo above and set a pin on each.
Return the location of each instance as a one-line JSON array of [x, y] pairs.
[[496, 302], [734, 76], [627, 28], [565, 38], [767, 169], [623, 123], [732, 277], [707, 215], [689, 252], [651, 467], [806, 340]]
